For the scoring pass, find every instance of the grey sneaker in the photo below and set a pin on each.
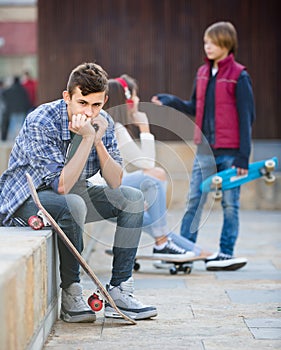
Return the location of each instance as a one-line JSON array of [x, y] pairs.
[[73, 306], [127, 303]]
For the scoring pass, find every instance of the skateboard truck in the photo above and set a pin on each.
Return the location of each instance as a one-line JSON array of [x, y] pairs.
[[174, 268], [266, 172], [216, 184]]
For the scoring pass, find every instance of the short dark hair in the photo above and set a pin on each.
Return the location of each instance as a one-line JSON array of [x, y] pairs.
[[89, 77]]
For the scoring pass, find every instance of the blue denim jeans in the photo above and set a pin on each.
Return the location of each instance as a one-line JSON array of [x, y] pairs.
[[202, 168], [154, 191], [155, 215], [89, 204]]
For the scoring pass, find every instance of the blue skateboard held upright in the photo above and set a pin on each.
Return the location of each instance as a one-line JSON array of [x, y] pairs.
[[227, 179]]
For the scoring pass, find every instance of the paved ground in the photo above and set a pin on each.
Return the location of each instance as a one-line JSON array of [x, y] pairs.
[[200, 311]]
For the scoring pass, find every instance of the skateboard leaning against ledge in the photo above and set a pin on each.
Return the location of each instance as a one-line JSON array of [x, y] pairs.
[[95, 302]]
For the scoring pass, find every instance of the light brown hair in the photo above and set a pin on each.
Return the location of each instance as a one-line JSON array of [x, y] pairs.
[[223, 34]]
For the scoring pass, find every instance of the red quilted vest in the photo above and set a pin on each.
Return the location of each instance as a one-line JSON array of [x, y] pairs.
[[226, 114]]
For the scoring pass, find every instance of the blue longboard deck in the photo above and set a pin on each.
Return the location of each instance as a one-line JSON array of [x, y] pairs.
[[229, 178]]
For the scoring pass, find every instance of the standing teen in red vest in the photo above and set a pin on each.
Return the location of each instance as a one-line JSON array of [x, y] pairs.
[[223, 105]]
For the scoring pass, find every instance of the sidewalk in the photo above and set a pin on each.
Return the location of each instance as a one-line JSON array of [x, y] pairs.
[[200, 311]]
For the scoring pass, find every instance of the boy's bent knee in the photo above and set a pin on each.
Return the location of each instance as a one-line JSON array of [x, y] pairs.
[[132, 193], [134, 199], [76, 207]]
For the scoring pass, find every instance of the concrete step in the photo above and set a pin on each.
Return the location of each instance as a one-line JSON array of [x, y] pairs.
[[28, 287]]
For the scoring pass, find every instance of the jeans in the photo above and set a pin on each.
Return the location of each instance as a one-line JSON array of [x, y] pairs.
[[154, 218], [202, 168], [89, 204], [154, 191]]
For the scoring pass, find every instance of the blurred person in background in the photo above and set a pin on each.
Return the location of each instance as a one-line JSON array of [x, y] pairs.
[[17, 105], [131, 126], [30, 85], [2, 108], [223, 105]]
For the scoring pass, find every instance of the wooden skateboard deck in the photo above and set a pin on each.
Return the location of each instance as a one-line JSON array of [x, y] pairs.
[[227, 179], [170, 260], [74, 251], [176, 264]]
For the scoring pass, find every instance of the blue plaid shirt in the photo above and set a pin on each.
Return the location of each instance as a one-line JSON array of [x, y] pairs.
[[41, 150]]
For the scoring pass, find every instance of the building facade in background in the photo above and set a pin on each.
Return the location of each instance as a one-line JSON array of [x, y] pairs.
[[158, 42], [18, 38]]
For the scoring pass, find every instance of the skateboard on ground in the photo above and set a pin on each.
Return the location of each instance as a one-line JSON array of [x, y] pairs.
[[94, 300], [174, 265], [227, 179]]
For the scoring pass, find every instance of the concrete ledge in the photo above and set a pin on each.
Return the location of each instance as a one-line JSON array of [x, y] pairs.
[[28, 287]]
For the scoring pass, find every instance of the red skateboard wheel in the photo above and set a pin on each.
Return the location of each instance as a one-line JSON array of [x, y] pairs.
[[35, 222], [95, 303]]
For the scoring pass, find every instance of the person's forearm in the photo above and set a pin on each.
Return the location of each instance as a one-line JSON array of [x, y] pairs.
[[111, 171], [144, 128], [72, 170], [186, 107]]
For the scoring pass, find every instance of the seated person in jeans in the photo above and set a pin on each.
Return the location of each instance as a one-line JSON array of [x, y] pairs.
[[48, 150]]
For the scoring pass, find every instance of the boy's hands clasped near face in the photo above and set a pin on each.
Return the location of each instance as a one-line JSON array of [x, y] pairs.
[[81, 125], [94, 127], [99, 124]]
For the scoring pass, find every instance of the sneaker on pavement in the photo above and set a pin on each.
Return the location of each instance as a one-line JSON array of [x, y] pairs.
[[224, 262], [73, 306], [172, 251], [127, 303]]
